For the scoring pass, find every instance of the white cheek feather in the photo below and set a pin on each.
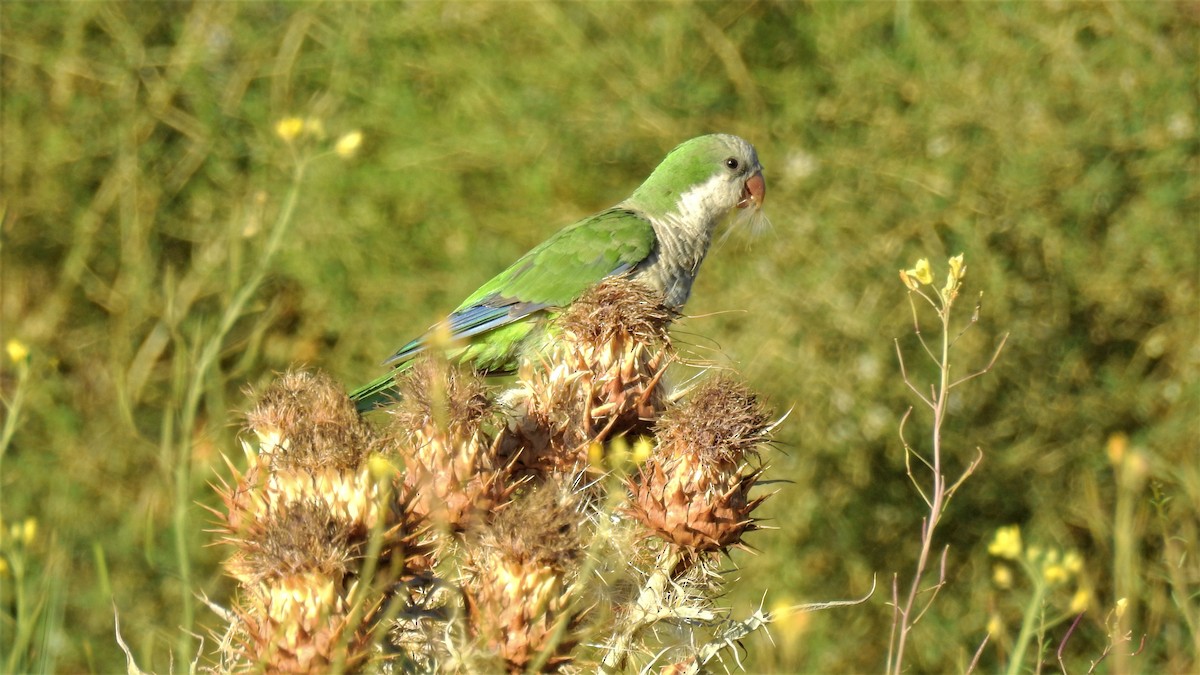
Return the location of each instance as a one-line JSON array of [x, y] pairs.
[[702, 205], [684, 235]]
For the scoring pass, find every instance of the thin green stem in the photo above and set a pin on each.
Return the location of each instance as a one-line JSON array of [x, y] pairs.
[[196, 387], [1032, 611]]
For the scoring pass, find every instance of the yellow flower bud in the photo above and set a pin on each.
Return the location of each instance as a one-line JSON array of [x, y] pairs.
[[1119, 610], [289, 128], [1002, 576], [17, 351], [348, 144], [1080, 601], [1054, 574], [29, 530], [995, 626]]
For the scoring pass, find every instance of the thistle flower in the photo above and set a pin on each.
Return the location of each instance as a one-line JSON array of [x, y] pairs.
[[451, 464], [694, 491], [299, 519], [601, 376], [521, 576], [294, 569]]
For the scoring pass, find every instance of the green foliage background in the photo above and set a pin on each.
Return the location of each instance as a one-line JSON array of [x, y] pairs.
[[1054, 144]]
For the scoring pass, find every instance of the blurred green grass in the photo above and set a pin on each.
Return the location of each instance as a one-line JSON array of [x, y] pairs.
[[1054, 144]]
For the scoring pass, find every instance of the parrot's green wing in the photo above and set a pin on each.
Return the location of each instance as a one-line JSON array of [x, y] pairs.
[[496, 319]]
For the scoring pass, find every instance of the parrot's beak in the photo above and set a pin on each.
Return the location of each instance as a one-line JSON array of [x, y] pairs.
[[754, 192]]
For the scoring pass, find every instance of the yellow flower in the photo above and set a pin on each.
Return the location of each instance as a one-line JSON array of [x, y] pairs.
[[618, 453], [922, 272], [1119, 610], [348, 144], [1073, 562], [17, 351], [1055, 574], [642, 448], [1081, 600], [29, 530], [957, 269], [995, 626], [1118, 443], [289, 128], [381, 467], [954, 278], [1002, 576], [596, 455], [1006, 543]]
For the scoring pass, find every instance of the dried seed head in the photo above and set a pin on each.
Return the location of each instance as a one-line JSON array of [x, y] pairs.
[[305, 421], [437, 428], [721, 421], [300, 518], [300, 537], [618, 310], [694, 491], [294, 568], [599, 376], [521, 576], [432, 393]]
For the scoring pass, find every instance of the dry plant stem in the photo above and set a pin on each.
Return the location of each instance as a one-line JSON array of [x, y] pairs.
[[937, 496], [940, 492], [645, 611], [183, 436], [978, 654], [1062, 646]]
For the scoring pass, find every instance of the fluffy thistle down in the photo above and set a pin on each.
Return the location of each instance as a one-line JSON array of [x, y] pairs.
[[468, 532]]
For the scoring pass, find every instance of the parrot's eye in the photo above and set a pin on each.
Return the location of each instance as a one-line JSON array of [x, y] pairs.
[[732, 163]]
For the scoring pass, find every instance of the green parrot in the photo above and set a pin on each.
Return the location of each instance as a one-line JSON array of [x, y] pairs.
[[659, 236]]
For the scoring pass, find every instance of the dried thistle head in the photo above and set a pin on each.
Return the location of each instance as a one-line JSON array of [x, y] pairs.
[[521, 574], [294, 568], [600, 375], [305, 421], [694, 491], [299, 519], [452, 471]]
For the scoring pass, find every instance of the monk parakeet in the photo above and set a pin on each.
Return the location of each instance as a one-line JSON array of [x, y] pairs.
[[659, 236]]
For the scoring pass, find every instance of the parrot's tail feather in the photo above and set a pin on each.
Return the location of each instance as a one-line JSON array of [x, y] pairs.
[[380, 392]]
